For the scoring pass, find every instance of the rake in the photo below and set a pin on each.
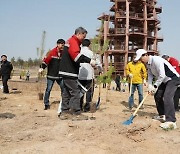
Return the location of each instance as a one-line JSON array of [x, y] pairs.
[[130, 120]]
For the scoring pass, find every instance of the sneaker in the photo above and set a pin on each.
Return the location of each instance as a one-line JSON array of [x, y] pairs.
[[47, 107], [131, 107], [65, 116], [169, 125], [79, 117], [161, 118]]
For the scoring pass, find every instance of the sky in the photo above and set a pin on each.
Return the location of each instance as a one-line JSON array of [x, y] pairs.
[[22, 23]]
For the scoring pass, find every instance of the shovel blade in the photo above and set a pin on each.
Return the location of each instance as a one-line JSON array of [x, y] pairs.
[[129, 121], [98, 103]]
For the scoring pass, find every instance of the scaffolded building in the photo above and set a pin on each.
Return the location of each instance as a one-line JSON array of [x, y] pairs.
[[131, 24]]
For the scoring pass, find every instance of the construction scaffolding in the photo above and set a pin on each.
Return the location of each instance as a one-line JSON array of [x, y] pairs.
[[130, 25]]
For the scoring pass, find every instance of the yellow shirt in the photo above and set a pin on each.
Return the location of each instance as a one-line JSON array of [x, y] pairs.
[[138, 70]]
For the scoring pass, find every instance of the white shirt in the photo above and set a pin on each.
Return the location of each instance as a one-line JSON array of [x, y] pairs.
[[86, 71], [161, 69]]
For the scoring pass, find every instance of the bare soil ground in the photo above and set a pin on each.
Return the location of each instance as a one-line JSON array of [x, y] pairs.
[[33, 130]]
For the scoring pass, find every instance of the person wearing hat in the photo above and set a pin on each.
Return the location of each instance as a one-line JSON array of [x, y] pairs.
[[137, 74], [164, 88], [52, 62], [175, 63], [5, 72]]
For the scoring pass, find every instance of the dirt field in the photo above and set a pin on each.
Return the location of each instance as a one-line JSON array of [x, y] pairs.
[[35, 131]]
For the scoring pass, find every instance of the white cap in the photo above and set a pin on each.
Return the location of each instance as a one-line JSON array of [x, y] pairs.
[[139, 53]]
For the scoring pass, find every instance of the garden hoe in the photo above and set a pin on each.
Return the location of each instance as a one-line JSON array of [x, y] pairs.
[[130, 120]]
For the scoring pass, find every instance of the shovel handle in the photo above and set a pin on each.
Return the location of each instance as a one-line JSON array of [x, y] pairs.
[[140, 104], [130, 87]]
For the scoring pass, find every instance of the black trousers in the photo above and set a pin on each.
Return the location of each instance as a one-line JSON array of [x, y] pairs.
[[5, 79], [176, 99], [89, 94], [71, 96], [164, 99]]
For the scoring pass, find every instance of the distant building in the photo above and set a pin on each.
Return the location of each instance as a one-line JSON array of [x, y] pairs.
[[131, 24]]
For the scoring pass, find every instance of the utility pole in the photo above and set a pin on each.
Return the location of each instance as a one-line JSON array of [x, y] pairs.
[[40, 51]]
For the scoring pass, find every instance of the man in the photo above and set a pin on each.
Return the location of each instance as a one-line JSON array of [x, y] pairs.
[[175, 63], [52, 62], [137, 74], [5, 72], [69, 69], [86, 76], [164, 87], [118, 82]]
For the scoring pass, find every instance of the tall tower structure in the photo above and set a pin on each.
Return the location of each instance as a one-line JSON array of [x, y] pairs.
[[131, 24]]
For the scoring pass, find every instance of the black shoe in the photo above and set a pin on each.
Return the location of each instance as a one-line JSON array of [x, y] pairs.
[[6, 92], [47, 107], [86, 109], [177, 110]]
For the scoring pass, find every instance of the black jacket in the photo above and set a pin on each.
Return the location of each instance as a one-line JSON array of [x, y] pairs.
[[70, 68], [6, 68], [52, 61]]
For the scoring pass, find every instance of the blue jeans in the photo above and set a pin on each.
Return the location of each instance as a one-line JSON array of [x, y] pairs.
[[50, 83], [140, 93]]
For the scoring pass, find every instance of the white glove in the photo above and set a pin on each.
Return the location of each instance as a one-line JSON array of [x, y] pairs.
[[130, 75], [151, 89], [144, 82], [93, 62], [40, 70]]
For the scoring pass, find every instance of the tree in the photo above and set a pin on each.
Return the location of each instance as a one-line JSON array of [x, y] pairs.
[[13, 61], [106, 78]]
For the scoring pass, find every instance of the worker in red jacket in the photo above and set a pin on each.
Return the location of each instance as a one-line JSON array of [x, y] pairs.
[[52, 62], [69, 69], [175, 63]]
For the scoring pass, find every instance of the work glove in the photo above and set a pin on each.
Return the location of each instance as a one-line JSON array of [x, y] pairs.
[[144, 82], [130, 75], [93, 62], [40, 70], [151, 89]]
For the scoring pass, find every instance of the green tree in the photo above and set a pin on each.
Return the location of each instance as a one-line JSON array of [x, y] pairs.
[[106, 78]]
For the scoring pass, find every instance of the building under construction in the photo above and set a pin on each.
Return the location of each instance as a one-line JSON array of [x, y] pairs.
[[130, 25]]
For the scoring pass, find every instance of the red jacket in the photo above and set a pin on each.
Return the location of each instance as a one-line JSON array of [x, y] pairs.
[[175, 63], [52, 61], [71, 58], [74, 47]]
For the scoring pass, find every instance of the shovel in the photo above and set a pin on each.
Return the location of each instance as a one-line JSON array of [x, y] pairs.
[[130, 87], [130, 120], [99, 98]]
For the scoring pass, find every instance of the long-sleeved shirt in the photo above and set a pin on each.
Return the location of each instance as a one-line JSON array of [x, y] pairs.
[[52, 61], [71, 59], [86, 71], [175, 63], [161, 69], [138, 70]]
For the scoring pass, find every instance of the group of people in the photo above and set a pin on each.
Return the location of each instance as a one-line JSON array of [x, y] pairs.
[[71, 64], [72, 67], [163, 82]]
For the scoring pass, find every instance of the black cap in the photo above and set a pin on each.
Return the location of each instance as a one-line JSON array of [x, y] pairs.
[[165, 56], [3, 56], [60, 41]]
